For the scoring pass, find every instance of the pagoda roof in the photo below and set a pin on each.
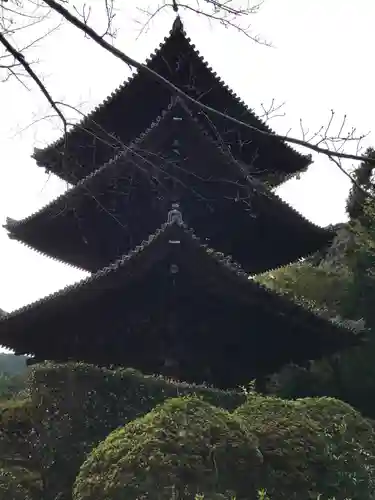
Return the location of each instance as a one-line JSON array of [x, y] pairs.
[[174, 306], [117, 206], [124, 115]]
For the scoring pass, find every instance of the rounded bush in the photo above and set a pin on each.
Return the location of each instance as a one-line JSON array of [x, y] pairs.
[[291, 444], [331, 413], [350, 445], [311, 446], [181, 448]]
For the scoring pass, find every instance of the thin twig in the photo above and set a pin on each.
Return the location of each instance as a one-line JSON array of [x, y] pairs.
[[151, 16], [351, 178], [225, 21], [22, 61]]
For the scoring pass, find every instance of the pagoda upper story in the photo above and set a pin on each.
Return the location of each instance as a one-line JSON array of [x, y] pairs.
[[175, 160], [132, 107]]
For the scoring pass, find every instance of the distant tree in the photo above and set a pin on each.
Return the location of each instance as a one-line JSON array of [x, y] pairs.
[[341, 285], [19, 455], [318, 286], [363, 176], [12, 365]]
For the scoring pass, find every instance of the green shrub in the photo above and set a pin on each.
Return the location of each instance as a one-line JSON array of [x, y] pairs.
[[350, 444], [16, 426], [311, 446], [179, 449], [291, 443], [10, 487], [19, 448], [78, 405]]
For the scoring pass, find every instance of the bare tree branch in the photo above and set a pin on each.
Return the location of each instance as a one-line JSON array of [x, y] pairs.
[[272, 111], [22, 62], [222, 12], [143, 68], [351, 178], [228, 20], [151, 15], [110, 14], [9, 26]]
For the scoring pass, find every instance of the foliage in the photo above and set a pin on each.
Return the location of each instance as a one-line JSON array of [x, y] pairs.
[[312, 446], [315, 380], [364, 179], [282, 447], [292, 447], [16, 413], [76, 406], [350, 444], [10, 364], [11, 386], [286, 449], [10, 487], [17, 450], [16, 428], [342, 285], [184, 447], [317, 286], [13, 374]]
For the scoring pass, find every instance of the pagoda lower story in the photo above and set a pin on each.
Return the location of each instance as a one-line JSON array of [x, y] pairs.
[[174, 307]]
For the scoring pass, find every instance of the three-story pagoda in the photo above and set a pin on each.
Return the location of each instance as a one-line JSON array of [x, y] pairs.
[[171, 210]]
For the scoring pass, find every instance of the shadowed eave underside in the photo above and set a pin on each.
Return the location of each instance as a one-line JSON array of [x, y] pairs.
[[118, 205], [135, 104], [200, 316]]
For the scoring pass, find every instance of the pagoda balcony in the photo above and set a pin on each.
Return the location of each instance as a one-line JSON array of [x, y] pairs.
[[121, 203], [176, 307]]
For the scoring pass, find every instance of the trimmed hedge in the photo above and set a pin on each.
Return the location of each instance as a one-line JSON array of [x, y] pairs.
[[302, 450], [180, 449], [309, 446], [79, 405], [312, 446], [291, 443], [351, 444], [19, 448], [16, 416], [10, 487]]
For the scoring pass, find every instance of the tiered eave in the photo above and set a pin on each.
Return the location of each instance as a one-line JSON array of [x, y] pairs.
[[132, 107], [174, 306], [121, 203]]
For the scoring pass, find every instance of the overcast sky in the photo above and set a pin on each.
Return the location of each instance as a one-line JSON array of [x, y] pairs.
[[321, 60]]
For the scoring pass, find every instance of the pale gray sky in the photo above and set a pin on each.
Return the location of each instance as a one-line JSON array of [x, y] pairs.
[[321, 60]]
